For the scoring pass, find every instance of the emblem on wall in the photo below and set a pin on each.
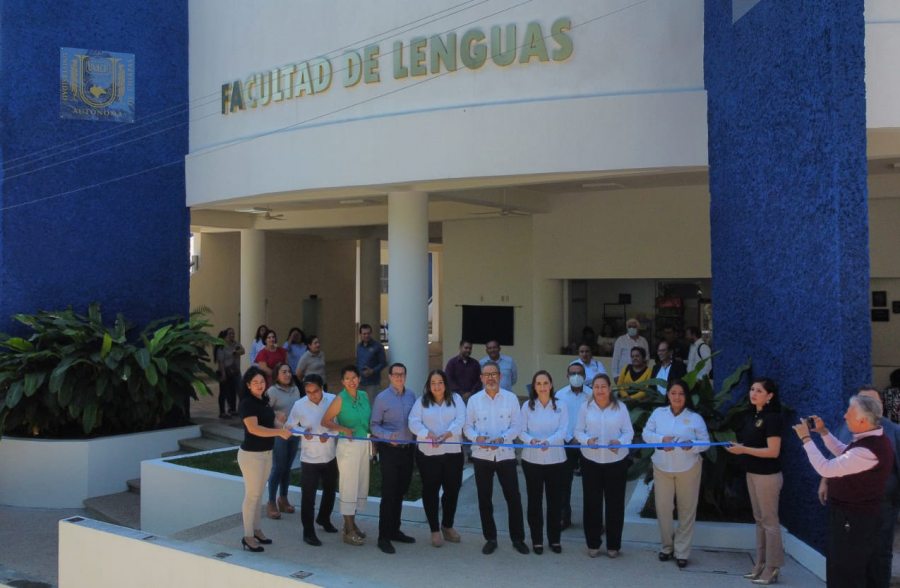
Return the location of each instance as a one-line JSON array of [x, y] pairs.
[[96, 85]]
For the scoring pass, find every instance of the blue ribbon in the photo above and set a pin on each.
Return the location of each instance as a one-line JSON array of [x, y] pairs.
[[521, 445]]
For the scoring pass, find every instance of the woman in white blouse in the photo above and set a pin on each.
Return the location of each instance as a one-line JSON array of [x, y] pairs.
[[603, 420], [544, 423], [676, 470], [438, 417]]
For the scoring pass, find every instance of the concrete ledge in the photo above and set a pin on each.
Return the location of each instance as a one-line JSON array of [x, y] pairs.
[[101, 555], [716, 535], [60, 473], [175, 497]]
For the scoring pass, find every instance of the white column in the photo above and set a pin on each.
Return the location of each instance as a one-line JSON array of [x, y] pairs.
[[253, 288], [436, 257], [370, 283], [408, 283]]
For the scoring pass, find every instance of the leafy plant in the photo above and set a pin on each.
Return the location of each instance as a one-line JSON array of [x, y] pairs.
[[75, 376], [721, 415]]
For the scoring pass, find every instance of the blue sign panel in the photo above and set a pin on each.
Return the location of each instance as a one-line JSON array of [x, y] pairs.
[[96, 85]]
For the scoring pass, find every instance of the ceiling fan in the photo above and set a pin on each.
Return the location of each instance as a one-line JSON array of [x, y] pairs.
[[263, 210], [503, 211]]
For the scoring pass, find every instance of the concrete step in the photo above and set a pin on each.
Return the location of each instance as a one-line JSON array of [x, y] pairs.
[[201, 444], [122, 508], [175, 453], [224, 432], [134, 486]]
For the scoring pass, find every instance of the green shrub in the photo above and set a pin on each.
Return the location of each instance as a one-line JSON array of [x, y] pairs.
[[73, 376]]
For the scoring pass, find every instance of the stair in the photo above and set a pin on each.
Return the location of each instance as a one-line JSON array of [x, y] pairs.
[[124, 508]]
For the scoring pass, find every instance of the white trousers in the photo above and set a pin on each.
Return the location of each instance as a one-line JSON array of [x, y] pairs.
[[353, 482]]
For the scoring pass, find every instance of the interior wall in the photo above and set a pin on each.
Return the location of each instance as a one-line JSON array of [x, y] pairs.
[[217, 283], [650, 233], [487, 261], [884, 245]]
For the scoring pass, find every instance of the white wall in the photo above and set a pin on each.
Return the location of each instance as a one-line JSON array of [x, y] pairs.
[[630, 96], [882, 74]]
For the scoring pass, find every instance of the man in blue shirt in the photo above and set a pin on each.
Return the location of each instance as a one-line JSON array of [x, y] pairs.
[[390, 422], [370, 360]]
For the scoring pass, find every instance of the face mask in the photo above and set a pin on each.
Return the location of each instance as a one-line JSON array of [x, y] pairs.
[[632, 332], [576, 380]]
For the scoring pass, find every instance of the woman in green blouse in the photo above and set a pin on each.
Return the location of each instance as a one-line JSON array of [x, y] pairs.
[[349, 414]]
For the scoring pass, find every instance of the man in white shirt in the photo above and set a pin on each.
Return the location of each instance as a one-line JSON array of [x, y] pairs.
[[493, 416], [624, 345], [574, 396], [509, 373], [592, 367], [317, 458], [699, 350]]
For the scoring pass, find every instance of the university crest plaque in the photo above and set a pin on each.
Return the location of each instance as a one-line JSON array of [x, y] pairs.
[[96, 85]]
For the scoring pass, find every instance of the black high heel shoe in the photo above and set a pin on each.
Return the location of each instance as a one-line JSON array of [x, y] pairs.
[[249, 547], [262, 540]]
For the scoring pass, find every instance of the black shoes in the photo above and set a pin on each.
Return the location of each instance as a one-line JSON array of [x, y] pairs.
[[312, 540], [262, 540], [663, 556], [556, 548], [249, 547], [538, 549], [385, 546], [402, 537], [327, 526], [490, 546], [521, 547], [682, 563]]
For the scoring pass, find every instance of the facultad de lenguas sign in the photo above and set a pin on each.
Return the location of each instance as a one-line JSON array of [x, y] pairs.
[[419, 57]]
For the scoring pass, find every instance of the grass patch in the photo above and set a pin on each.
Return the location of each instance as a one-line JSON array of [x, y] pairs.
[[225, 462]]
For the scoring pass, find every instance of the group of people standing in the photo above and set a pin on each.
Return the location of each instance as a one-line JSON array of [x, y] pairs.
[[575, 429]]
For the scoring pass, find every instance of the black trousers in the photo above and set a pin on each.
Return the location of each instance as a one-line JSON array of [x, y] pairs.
[[853, 540], [310, 476], [539, 479], [509, 482], [573, 462], [604, 484], [440, 471], [396, 473]]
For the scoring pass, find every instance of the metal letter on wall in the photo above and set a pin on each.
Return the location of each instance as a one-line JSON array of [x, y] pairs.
[[96, 85]]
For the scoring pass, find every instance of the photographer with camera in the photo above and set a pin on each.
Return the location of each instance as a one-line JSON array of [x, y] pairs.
[[857, 476]]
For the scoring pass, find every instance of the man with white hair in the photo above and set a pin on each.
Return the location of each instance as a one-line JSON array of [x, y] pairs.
[[890, 505], [857, 476], [624, 344]]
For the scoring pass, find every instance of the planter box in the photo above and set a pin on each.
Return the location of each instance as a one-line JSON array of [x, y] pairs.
[[175, 497], [59, 473]]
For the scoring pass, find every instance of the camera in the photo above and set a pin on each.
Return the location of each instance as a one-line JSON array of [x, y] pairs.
[[810, 423]]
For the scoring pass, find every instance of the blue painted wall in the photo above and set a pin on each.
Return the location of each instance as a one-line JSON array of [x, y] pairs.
[[122, 243], [790, 260]]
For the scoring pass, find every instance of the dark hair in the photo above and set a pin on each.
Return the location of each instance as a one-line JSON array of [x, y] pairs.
[[532, 394], [895, 378], [770, 386], [277, 369], [427, 395], [464, 341], [265, 331], [613, 398], [688, 401], [349, 368], [396, 364], [579, 364], [298, 330], [270, 332], [641, 350], [313, 379], [365, 326], [693, 331], [221, 335], [311, 338], [251, 373]]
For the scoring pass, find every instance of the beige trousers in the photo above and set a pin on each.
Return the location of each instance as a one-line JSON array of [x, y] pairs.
[[764, 491], [681, 489], [255, 467], [353, 482]]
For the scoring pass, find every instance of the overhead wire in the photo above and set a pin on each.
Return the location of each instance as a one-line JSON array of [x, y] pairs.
[[242, 140]]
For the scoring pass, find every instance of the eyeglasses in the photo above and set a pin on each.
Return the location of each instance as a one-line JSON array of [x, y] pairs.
[[491, 374]]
